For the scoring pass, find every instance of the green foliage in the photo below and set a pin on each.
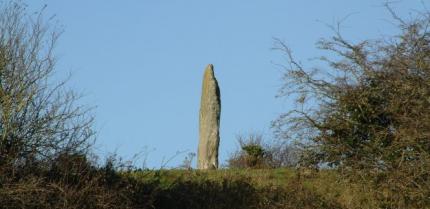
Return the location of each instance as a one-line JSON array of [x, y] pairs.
[[254, 150], [252, 153]]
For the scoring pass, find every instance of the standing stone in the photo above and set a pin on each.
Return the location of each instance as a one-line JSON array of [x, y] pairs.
[[210, 110]]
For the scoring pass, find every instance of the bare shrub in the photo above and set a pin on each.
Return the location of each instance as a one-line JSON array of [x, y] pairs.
[[188, 161], [283, 153], [39, 119]]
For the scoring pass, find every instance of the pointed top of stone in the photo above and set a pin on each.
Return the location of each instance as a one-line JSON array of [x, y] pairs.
[[209, 69], [210, 66], [209, 73]]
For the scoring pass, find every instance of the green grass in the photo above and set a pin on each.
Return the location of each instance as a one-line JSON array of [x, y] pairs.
[[324, 186], [257, 177]]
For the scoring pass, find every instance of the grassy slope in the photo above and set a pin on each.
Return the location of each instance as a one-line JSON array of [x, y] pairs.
[[324, 184], [260, 177]]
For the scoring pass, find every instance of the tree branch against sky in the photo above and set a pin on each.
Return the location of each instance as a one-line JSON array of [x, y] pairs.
[[369, 119], [39, 116]]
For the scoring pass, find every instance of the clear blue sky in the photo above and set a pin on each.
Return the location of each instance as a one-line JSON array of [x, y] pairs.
[[141, 62]]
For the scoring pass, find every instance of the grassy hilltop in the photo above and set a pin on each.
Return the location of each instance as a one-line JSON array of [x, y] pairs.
[[251, 188]]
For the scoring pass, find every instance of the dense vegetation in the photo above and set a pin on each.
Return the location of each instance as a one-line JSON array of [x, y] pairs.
[[360, 131], [368, 116]]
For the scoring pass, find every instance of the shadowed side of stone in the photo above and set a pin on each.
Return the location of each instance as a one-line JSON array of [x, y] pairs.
[[210, 110]]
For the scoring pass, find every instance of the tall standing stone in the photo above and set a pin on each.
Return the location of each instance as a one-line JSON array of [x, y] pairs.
[[210, 110]]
